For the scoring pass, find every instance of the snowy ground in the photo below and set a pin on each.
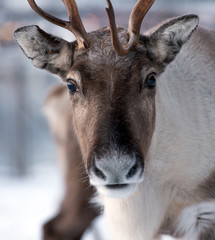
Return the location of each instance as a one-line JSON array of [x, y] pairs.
[[25, 204]]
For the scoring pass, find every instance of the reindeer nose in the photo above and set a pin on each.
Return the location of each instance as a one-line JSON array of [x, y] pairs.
[[116, 170]]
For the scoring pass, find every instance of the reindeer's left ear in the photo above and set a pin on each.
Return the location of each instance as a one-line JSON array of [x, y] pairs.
[[45, 50], [168, 39]]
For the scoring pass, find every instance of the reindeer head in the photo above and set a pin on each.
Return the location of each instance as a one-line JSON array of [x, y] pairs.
[[111, 76]]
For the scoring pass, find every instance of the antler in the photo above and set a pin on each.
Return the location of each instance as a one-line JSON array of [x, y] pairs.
[[74, 24], [135, 20]]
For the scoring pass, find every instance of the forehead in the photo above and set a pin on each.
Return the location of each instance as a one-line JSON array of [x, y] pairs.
[[100, 58]]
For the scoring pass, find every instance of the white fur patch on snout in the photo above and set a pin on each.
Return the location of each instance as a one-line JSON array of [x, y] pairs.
[[115, 167], [116, 181]]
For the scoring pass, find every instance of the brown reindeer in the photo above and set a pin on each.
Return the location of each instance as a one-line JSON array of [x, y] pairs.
[[76, 213], [142, 111]]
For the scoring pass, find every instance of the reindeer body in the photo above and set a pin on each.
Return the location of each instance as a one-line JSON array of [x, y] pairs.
[[148, 150], [184, 128], [179, 170]]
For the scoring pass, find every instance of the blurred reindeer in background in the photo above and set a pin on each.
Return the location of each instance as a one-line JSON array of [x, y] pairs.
[[141, 110], [76, 212]]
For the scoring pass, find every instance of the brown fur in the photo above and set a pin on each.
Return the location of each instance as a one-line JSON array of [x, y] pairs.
[[207, 188], [208, 234], [114, 90], [76, 213]]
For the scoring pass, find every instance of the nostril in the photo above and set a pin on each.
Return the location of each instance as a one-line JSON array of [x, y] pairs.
[[132, 171], [99, 173]]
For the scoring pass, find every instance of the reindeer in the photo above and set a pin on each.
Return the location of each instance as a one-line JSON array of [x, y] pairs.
[[142, 110], [76, 213]]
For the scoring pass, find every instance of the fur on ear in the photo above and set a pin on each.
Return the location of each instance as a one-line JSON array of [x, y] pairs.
[[168, 39], [45, 50]]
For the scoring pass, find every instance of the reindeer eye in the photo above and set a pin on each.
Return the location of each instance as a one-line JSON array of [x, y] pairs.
[[71, 86], [151, 80]]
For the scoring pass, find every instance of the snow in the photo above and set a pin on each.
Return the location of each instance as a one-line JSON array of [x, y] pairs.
[[26, 203]]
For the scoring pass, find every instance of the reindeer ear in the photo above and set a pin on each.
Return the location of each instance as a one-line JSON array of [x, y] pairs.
[[168, 39], [45, 50]]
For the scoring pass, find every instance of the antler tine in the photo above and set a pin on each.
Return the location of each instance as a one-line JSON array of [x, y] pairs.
[[74, 24], [113, 29], [47, 16], [135, 20], [138, 13]]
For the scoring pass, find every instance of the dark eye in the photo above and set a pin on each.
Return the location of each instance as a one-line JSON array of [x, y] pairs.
[[71, 86], [151, 80]]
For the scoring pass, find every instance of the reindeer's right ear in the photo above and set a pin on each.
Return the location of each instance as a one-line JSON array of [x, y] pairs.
[[45, 50]]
